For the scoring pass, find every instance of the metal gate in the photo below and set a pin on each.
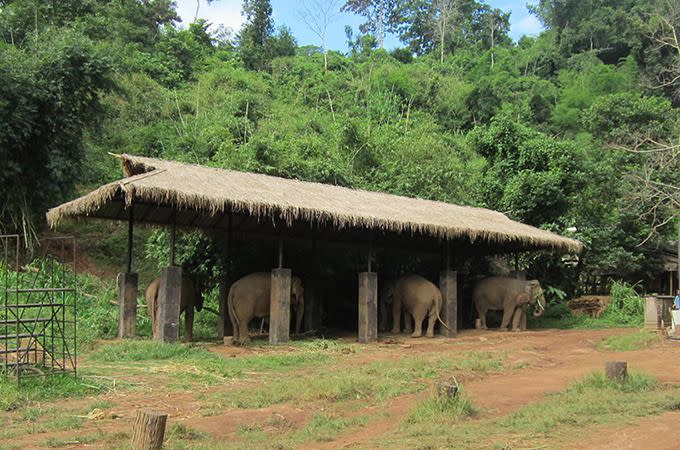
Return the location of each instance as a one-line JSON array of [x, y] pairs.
[[38, 310]]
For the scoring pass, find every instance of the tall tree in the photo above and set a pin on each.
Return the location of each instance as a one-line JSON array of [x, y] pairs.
[[445, 13], [381, 16], [255, 34], [318, 15]]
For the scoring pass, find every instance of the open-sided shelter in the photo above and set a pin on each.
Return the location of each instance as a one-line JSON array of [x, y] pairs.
[[181, 195]]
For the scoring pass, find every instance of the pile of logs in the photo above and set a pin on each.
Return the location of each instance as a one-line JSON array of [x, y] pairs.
[[593, 305]]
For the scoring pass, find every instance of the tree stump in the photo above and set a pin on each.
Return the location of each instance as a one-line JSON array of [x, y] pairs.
[[447, 390], [616, 370], [149, 430]]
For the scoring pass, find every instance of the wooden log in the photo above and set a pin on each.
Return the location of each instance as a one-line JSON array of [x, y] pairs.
[[447, 390], [616, 370], [149, 430]]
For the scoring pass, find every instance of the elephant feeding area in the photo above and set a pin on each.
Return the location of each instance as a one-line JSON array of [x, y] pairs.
[[521, 390]]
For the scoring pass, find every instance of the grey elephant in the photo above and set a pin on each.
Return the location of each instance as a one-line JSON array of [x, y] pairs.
[[509, 295], [190, 298], [418, 298], [249, 297]]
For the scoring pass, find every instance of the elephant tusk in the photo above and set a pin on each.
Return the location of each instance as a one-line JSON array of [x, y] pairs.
[[540, 305]]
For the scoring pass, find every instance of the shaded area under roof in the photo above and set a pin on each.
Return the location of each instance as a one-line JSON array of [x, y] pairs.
[[196, 196]]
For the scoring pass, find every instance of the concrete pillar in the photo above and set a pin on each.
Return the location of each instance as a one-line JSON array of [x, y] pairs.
[[127, 304], [279, 306], [448, 285], [368, 307], [169, 298]]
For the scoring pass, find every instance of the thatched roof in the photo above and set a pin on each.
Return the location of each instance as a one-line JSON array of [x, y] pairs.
[[200, 196]]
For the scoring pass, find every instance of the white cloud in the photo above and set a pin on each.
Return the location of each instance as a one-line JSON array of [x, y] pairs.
[[219, 12], [528, 25]]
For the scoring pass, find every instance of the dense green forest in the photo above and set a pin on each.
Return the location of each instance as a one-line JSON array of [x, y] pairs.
[[575, 129]]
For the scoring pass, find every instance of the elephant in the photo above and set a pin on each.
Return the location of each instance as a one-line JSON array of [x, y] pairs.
[[384, 305], [250, 296], [510, 295], [418, 298], [190, 298]]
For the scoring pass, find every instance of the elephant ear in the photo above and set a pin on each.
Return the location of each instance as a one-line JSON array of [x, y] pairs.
[[522, 299]]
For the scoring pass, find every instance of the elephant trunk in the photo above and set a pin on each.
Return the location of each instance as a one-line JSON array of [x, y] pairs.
[[540, 308]]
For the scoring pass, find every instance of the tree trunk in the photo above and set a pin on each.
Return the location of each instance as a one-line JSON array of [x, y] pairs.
[[149, 430]]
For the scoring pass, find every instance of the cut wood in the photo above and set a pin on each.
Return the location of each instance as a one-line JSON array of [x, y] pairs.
[[149, 430], [616, 370]]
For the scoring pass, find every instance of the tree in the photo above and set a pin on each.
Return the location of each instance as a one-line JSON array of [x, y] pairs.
[[445, 13], [255, 34], [381, 16], [318, 15], [49, 95]]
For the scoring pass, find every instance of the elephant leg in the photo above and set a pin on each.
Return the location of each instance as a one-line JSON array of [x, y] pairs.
[[507, 315], [243, 335], [482, 319], [396, 315], [408, 322], [431, 320], [418, 325], [523, 320], [189, 324], [516, 318]]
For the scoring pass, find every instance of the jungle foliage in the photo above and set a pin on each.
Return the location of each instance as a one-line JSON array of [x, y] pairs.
[[538, 129]]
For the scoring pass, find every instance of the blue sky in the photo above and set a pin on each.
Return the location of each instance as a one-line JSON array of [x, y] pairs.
[[286, 12]]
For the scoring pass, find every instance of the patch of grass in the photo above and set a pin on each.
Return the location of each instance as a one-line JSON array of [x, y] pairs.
[[179, 431], [324, 427], [378, 381], [557, 418], [13, 395], [436, 409], [207, 366], [629, 341], [77, 440]]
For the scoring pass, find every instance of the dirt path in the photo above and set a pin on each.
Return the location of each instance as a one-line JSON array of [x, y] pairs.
[[554, 359], [539, 362]]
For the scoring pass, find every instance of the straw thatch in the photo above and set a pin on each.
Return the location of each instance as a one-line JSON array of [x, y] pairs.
[[211, 192]]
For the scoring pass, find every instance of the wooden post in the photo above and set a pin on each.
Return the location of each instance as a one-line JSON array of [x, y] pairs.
[[173, 237], [279, 306], [368, 307], [131, 219], [149, 430], [616, 370], [448, 286], [169, 297]]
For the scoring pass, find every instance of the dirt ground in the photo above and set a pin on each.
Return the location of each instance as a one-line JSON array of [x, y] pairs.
[[543, 362]]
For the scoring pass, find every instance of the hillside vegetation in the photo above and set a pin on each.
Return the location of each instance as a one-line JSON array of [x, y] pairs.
[[573, 129]]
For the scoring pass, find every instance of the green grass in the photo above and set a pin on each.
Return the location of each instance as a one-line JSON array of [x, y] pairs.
[[209, 367], [324, 427], [13, 395], [557, 418], [377, 382], [629, 341], [436, 409]]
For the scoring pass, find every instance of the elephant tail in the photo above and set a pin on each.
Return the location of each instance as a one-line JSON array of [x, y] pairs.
[[438, 307], [232, 311]]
